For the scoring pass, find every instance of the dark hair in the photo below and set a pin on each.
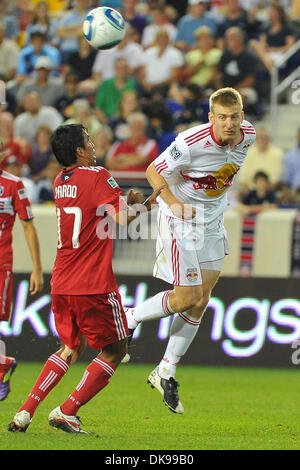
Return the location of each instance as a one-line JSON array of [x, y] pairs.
[[64, 142], [261, 174], [38, 34], [280, 10]]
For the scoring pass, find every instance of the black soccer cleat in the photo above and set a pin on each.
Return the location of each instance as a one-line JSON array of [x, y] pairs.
[[169, 390]]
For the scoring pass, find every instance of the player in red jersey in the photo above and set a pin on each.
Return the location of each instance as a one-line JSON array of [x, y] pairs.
[[85, 299], [14, 200]]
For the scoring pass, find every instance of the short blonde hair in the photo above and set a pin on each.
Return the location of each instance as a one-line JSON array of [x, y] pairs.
[[227, 97]]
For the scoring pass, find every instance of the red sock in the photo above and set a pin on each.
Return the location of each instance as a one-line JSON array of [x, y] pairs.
[[5, 362], [53, 370], [95, 377]]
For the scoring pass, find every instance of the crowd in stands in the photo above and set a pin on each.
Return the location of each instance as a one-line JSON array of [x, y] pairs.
[[136, 97]]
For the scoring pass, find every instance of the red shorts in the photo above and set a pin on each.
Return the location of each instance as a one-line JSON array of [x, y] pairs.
[[6, 288], [100, 318]]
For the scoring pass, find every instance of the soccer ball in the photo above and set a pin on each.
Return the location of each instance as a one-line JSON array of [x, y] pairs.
[[104, 28]]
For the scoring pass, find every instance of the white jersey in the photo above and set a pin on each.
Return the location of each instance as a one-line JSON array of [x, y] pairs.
[[199, 170]]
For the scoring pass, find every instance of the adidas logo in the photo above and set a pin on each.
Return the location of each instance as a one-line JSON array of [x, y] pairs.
[[207, 144]]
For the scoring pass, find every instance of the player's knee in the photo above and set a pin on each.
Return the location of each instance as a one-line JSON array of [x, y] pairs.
[[186, 301]]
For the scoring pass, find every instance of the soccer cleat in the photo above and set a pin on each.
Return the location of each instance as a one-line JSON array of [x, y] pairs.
[[169, 390], [5, 379], [70, 424], [20, 422]]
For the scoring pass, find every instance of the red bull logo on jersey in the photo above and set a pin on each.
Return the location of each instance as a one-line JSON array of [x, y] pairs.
[[192, 274]]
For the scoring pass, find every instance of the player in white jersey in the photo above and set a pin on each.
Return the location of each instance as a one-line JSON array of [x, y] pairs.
[[197, 169]]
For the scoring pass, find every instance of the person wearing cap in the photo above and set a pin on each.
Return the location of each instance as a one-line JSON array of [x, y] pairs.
[[202, 62], [197, 16], [30, 54], [49, 88]]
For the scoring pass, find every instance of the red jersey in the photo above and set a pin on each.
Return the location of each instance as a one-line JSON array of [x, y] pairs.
[[83, 197], [146, 147], [13, 200]]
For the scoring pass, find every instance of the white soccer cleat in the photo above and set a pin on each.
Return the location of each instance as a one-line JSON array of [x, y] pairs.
[[20, 422], [169, 390], [70, 424]]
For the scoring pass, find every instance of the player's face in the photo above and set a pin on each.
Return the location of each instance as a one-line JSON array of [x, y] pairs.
[[89, 154], [226, 121]]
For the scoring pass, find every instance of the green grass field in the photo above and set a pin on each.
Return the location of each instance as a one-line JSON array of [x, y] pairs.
[[225, 408]]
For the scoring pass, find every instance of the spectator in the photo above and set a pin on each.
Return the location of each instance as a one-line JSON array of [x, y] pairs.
[[30, 54], [13, 166], [291, 166], [103, 141], [262, 156], [238, 67], [35, 116], [128, 105], [44, 186], [110, 91], [162, 65], [160, 21], [69, 28], [41, 152], [186, 104], [187, 25], [276, 39], [82, 114], [70, 94], [137, 21], [9, 53], [9, 21], [161, 121], [41, 21], [259, 199], [13, 146], [81, 62], [104, 65], [201, 63], [135, 153], [235, 16], [49, 88], [286, 197]]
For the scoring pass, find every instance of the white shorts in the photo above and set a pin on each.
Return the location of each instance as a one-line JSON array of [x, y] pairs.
[[183, 248]]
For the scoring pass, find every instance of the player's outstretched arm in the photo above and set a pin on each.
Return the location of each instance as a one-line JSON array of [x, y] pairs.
[[31, 237], [136, 205]]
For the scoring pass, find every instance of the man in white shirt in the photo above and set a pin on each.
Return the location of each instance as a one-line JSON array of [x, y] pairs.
[[104, 65], [197, 169], [9, 53], [35, 116], [161, 64]]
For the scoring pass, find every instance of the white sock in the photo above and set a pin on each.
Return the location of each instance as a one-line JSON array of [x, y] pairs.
[[182, 333], [153, 308]]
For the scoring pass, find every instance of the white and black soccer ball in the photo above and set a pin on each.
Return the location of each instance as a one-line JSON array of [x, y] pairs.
[[104, 28]]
